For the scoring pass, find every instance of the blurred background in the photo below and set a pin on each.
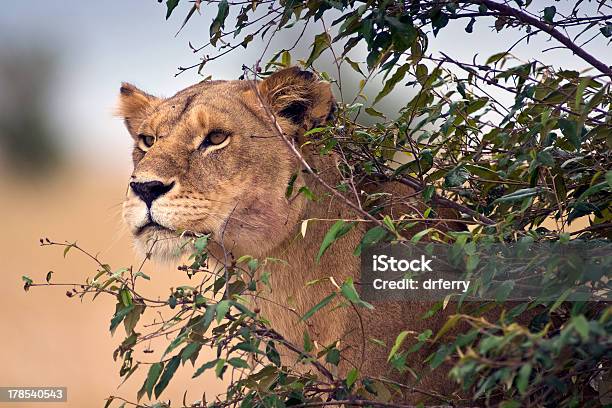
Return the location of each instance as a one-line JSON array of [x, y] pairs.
[[65, 159]]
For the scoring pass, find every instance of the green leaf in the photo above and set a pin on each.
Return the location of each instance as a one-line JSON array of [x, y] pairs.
[[348, 291], [119, 316], [222, 309], [503, 291], [201, 243], [351, 377], [424, 335], [371, 237], [419, 166], [391, 82], [246, 40], [584, 82], [154, 372], [193, 9], [126, 297], [243, 309], [407, 168], [238, 362], [219, 21], [172, 301], [171, 5], [496, 57], [204, 367], [307, 193], [272, 354], [518, 195], [339, 229], [286, 59], [318, 306], [175, 343], [593, 190], [206, 320], [315, 131], [582, 326], [439, 20], [476, 105], [569, 128], [373, 112], [192, 349], [456, 177], [449, 324], [48, 277], [369, 386], [290, 184], [549, 13], [354, 65], [321, 43], [333, 356], [142, 275], [403, 34], [522, 380], [428, 192], [398, 343], [247, 346], [422, 73], [167, 375], [419, 235], [439, 356], [220, 368], [132, 318], [28, 282], [308, 344], [483, 172]]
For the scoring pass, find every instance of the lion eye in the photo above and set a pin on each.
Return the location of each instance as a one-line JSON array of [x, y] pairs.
[[214, 138], [147, 141], [217, 138]]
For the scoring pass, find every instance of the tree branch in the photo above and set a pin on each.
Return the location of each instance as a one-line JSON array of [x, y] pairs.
[[549, 29], [441, 201]]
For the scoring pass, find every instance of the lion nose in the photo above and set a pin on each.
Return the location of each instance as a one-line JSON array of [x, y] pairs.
[[150, 190]]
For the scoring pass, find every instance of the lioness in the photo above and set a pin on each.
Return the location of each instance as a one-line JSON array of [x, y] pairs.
[[210, 160]]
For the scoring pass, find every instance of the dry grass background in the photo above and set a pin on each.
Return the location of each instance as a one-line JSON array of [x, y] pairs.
[[49, 339]]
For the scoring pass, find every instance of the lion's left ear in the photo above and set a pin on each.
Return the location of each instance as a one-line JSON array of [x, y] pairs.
[[298, 96], [134, 106]]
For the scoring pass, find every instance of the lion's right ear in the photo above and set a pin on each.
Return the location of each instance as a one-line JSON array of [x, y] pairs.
[[134, 106], [298, 98]]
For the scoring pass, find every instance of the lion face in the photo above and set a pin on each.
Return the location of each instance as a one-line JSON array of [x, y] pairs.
[[209, 161]]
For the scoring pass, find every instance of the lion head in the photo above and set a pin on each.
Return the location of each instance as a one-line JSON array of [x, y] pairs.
[[209, 160]]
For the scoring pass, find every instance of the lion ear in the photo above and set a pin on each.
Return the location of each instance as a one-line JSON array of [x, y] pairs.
[[298, 96], [134, 106]]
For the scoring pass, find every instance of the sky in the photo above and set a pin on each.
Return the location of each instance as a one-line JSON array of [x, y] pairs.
[[98, 44]]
